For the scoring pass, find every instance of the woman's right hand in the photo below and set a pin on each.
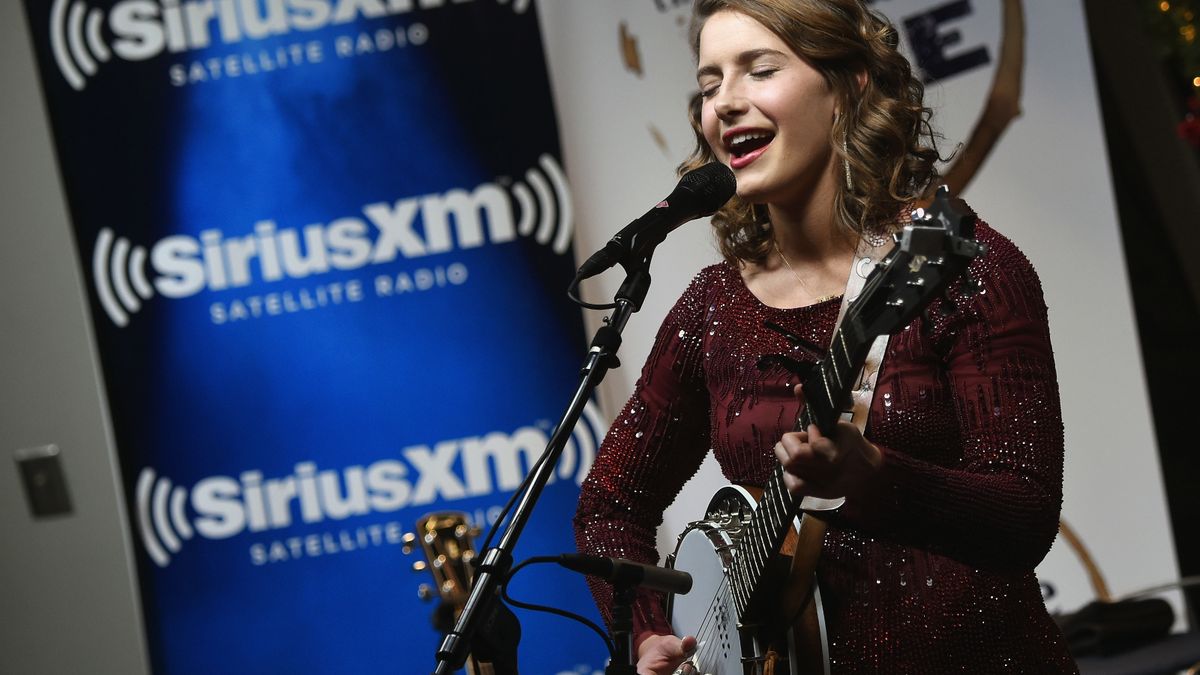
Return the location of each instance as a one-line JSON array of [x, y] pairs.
[[662, 654]]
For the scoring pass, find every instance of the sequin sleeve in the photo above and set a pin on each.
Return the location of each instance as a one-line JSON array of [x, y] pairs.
[[994, 501], [654, 446]]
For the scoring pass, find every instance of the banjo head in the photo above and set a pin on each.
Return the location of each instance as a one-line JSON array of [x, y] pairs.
[[705, 550]]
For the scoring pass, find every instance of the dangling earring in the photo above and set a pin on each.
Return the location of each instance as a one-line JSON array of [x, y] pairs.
[[846, 162], [761, 217]]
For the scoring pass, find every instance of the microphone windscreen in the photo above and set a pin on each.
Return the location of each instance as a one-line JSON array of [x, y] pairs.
[[712, 185]]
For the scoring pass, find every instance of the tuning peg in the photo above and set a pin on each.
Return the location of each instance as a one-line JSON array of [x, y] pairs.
[[425, 593], [971, 287], [795, 340], [419, 566], [408, 542], [786, 362]]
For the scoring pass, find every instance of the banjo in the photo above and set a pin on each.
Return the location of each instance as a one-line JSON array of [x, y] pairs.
[[755, 606]]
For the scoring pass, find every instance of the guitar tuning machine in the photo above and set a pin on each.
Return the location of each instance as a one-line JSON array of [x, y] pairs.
[[795, 340], [419, 566], [425, 593], [945, 308], [408, 542], [798, 368]]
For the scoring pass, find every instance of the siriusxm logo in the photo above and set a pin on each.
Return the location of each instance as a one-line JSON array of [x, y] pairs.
[[219, 507], [138, 30], [179, 266]]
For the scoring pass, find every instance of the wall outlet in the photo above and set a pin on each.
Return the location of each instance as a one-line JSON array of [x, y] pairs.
[[45, 484]]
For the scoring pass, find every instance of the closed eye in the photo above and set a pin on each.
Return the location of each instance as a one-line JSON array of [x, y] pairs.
[[709, 80]]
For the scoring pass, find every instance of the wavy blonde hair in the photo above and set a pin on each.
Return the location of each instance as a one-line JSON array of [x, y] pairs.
[[890, 147]]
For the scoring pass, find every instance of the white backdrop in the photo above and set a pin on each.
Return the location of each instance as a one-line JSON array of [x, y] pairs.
[[622, 74]]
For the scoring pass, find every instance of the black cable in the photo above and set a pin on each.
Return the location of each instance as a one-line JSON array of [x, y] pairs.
[[574, 296], [612, 651], [503, 515], [534, 469], [504, 512]]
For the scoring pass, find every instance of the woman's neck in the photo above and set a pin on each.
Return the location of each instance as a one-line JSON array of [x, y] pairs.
[[806, 233], [810, 257]]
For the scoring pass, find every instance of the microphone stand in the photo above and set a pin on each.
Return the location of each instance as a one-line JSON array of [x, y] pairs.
[[497, 561], [624, 661]]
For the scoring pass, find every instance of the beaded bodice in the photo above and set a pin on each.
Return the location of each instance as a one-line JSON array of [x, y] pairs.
[[934, 571]]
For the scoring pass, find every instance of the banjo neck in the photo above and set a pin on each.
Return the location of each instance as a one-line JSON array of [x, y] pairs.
[[826, 389]]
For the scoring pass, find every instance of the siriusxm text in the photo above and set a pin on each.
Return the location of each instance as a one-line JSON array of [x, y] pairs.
[[226, 506], [408, 228], [144, 29]]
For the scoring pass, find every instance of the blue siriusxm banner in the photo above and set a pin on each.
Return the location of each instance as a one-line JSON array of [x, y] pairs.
[[326, 244]]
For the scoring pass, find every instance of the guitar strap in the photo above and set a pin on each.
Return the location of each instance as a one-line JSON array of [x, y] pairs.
[[810, 637], [865, 258]]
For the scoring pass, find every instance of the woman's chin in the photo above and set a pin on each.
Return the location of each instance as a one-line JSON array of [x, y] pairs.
[[751, 193]]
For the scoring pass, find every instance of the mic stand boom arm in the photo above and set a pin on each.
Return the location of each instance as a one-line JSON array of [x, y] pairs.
[[497, 561]]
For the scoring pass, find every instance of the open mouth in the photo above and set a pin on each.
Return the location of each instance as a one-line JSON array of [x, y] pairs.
[[745, 146]]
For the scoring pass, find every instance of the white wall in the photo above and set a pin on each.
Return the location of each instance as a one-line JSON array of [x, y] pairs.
[[69, 603]]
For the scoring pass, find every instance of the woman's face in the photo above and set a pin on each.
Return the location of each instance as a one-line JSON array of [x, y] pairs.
[[766, 112]]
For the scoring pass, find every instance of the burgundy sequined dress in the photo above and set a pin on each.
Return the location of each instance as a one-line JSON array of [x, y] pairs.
[[933, 573]]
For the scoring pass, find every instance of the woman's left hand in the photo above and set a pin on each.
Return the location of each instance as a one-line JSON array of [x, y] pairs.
[[840, 465]]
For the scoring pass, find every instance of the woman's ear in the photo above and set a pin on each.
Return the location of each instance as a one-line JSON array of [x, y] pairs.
[[860, 79]]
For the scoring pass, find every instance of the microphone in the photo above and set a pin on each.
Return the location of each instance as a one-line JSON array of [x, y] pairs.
[[699, 193], [628, 573]]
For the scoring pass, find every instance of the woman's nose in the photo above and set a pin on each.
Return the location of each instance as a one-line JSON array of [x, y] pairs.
[[729, 103]]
